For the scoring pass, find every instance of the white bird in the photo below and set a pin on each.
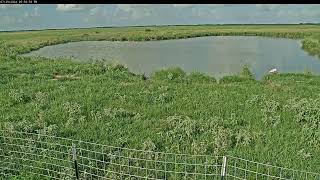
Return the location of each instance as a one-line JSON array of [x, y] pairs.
[[274, 70]]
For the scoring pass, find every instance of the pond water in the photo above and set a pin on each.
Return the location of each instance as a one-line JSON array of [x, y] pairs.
[[216, 56]]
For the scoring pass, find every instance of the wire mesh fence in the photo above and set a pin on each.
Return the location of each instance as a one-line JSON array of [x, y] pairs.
[[38, 156], [238, 168]]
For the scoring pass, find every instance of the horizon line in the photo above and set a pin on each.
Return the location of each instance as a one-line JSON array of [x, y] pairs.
[[218, 24]]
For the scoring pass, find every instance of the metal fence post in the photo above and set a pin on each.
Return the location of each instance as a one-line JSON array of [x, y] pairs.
[[74, 158], [224, 168]]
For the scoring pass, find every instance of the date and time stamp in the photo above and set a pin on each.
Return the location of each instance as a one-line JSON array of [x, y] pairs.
[[18, 1]]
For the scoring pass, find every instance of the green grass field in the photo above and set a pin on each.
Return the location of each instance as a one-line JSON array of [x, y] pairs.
[[276, 120], [25, 41]]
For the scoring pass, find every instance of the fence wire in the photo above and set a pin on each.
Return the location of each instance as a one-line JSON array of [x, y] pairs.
[[238, 168], [39, 156]]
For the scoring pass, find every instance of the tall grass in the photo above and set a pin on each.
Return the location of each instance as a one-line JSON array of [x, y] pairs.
[[312, 46]]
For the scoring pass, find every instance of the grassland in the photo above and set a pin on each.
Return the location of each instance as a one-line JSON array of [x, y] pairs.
[[25, 41], [276, 120]]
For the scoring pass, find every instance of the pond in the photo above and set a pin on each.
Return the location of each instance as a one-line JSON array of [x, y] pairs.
[[216, 56]]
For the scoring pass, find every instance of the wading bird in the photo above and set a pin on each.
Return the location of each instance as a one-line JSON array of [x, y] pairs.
[[273, 71]]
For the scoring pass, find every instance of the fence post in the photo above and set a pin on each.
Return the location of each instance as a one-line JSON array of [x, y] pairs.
[[224, 168], [74, 158]]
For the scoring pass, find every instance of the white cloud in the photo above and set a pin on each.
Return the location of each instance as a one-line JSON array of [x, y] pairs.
[[137, 11], [74, 7], [69, 7], [197, 5], [130, 7], [8, 6], [125, 7], [36, 12], [96, 14], [183, 5], [97, 11], [268, 7]]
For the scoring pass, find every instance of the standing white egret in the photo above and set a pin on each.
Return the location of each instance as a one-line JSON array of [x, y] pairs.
[[274, 70]]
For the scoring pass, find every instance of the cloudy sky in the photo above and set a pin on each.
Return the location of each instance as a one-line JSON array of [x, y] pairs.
[[21, 17]]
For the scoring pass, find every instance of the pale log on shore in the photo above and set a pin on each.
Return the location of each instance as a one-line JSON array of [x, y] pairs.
[[65, 77]]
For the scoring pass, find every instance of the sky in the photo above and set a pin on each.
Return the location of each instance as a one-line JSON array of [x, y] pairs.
[[47, 16]]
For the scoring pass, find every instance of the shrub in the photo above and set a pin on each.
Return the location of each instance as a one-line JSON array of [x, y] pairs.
[[163, 98], [311, 46], [73, 113], [181, 131], [246, 73], [306, 110], [40, 100], [148, 30], [8, 51], [233, 79], [6, 77], [170, 74], [148, 145], [222, 140], [118, 113], [307, 72], [124, 39], [19, 96], [117, 67], [255, 100], [200, 78], [270, 112]]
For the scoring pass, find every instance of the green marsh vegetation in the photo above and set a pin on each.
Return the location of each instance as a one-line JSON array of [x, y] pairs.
[[26, 41], [311, 45], [276, 120]]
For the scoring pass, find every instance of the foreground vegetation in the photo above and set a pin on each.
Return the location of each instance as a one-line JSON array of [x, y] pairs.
[[276, 120]]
